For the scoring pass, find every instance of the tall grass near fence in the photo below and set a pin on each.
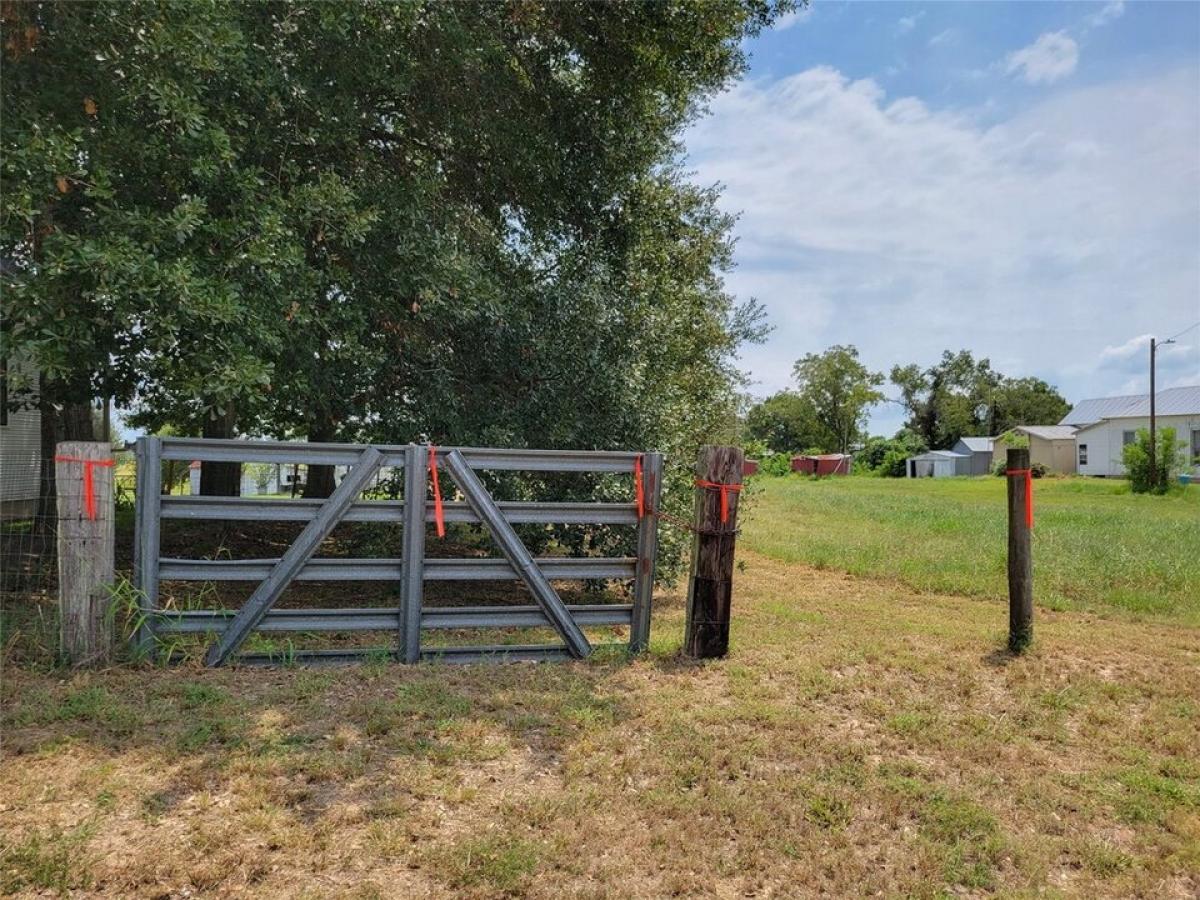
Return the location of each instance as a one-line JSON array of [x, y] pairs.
[[1096, 546]]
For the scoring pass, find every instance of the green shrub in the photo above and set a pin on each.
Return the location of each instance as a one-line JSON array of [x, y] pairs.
[[1037, 469], [1136, 457], [888, 456], [774, 464]]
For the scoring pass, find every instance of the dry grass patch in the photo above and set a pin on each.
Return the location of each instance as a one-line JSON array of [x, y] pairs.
[[861, 738]]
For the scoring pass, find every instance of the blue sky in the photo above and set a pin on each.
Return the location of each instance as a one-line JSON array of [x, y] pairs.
[[1018, 179]]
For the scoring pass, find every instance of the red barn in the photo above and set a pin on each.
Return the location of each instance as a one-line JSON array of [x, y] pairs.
[[822, 464]]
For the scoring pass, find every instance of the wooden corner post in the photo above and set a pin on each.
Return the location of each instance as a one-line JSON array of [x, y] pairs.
[[84, 485], [1020, 559], [647, 552], [710, 584]]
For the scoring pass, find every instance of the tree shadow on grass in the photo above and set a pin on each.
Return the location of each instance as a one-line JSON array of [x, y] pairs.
[[435, 712]]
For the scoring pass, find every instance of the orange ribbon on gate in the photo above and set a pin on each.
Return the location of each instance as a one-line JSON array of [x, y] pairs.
[[89, 481], [725, 490], [438, 516], [1028, 473], [639, 487]]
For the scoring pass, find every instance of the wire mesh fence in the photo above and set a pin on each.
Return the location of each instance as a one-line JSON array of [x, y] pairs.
[[29, 559]]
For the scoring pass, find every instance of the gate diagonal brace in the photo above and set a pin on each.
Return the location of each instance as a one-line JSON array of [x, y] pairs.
[[489, 513], [295, 558]]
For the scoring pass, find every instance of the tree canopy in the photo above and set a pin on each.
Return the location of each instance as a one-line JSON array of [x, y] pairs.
[[826, 412], [373, 220], [960, 395]]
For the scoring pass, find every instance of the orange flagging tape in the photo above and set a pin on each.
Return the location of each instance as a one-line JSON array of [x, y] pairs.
[[639, 488], [1028, 473], [725, 490], [438, 516], [89, 482]]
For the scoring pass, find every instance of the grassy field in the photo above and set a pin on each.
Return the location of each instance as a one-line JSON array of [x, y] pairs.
[[861, 738], [1096, 546]]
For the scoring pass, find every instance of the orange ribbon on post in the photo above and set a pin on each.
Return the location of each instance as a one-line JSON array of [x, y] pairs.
[[438, 515], [725, 490], [1028, 473], [89, 481]]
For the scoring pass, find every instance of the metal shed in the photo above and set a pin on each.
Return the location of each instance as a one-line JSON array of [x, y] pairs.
[[979, 451], [938, 464]]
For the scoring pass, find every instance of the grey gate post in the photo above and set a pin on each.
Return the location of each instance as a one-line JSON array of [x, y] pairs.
[[647, 551], [295, 558], [518, 556], [412, 578], [148, 488]]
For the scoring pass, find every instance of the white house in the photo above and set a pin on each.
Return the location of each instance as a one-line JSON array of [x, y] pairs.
[[20, 443], [1106, 424]]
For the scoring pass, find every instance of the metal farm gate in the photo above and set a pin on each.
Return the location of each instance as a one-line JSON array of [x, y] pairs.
[[412, 569]]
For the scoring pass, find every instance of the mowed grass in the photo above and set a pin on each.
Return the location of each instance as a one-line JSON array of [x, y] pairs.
[[1096, 546], [861, 738]]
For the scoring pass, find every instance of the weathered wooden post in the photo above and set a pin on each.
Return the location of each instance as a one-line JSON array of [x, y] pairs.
[[84, 485], [710, 586], [1020, 560]]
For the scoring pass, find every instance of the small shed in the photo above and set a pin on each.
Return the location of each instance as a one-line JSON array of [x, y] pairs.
[[938, 464], [979, 451], [1053, 446], [822, 463]]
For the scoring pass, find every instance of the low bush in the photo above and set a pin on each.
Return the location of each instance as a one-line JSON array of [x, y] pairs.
[[1037, 469], [774, 464], [1167, 455], [888, 457]]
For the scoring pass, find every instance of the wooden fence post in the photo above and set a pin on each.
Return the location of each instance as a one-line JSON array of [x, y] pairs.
[[84, 486], [710, 584], [1020, 560]]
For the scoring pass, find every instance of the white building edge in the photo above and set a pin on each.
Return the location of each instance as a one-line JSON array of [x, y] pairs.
[[1104, 425]]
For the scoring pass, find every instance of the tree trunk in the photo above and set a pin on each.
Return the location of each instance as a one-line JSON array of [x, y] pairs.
[[50, 432], [77, 422], [63, 418], [320, 482], [220, 479]]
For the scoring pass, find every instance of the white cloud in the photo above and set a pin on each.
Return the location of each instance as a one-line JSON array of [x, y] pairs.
[[908, 23], [1177, 363], [1114, 9], [1038, 242], [943, 37], [1135, 346], [1052, 56], [795, 17]]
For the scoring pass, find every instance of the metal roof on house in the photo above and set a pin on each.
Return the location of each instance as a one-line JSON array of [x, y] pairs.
[[941, 454], [978, 444], [1180, 401], [1048, 432]]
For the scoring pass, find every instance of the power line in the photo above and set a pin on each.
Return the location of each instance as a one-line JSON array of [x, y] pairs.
[[1185, 331]]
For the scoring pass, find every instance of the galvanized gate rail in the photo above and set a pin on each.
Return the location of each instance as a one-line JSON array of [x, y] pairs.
[[412, 569]]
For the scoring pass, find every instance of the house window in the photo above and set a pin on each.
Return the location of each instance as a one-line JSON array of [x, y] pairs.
[[1083, 454], [1128, 437], [1196, 446]]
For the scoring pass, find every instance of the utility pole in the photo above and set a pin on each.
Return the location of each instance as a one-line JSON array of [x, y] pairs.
[[1153, 454], [1153, 435]]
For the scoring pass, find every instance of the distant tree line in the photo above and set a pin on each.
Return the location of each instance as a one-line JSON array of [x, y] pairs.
[[371, 221], [956, 397]]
